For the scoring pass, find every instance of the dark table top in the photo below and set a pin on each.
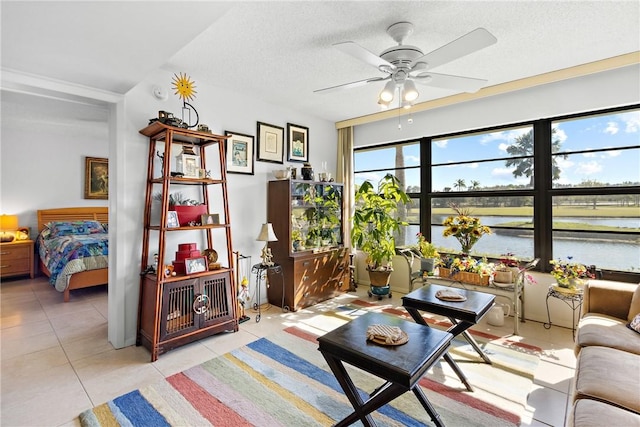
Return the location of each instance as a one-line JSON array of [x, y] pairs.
[[403, 364], [471, 310]]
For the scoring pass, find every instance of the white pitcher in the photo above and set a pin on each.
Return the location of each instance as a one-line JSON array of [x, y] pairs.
[[497, 314]]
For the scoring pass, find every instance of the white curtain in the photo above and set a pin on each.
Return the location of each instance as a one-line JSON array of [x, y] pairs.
[[344, 174]]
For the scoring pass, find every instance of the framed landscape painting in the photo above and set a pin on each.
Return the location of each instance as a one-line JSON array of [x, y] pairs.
[[270, 143], [239, 153], [297, 143]]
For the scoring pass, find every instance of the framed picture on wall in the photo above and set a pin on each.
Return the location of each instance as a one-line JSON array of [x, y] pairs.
[[270, 143], [239, 153], [297, 143], [96, 178]]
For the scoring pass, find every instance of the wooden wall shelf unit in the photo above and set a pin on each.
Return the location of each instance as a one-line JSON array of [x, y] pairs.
[[308, 220], [176, 310]]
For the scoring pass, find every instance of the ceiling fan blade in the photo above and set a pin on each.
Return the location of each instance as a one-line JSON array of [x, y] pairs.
[[469, 43], [350, 85], [358, 52], [447, 81]]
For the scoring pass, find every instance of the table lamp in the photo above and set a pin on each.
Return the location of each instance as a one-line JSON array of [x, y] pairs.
[[266, 235], [8, 226]]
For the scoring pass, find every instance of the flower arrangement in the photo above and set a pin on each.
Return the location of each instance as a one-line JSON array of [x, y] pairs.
[[426, 248], [467, 229], [508, 260], [468, 269], [567, 273]]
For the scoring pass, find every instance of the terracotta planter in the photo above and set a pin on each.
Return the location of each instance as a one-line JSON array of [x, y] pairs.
[[379, 278]]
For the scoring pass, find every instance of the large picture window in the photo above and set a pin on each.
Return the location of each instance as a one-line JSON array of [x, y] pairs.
[[552, 188]]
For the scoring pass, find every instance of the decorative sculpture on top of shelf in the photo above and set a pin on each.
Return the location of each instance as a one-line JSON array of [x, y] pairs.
[[185, 88]]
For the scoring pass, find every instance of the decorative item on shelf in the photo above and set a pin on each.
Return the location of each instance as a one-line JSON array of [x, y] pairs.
[[188, 162], [23, 233], [188, 211], [507, 269], [570, 275], [168, 119], [210, 219], [212, 258], [293, 172], [429, 256], [204, 128], [375, 220], [197, 264], [185, 250], [307, 172], [281, 173], [184, 88], [267, 235], [8, 227], [465, 228]]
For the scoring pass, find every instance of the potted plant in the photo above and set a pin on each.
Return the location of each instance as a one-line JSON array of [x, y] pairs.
[[375, 220], [465, 228], [507, 269], [570, 275], [429, 255]]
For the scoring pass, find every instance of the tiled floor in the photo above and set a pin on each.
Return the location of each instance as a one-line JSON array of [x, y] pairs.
[[56, 361]]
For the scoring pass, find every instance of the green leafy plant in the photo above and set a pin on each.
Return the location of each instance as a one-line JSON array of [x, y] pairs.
[[426, 248], [376, 219]]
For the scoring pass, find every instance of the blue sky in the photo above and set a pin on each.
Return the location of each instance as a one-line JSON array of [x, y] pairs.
[[614, 167]]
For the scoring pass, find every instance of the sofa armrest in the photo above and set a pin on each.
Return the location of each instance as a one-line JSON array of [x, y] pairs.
[[610, 298]]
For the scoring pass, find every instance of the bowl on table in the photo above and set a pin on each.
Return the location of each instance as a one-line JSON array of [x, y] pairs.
[[281, 173]]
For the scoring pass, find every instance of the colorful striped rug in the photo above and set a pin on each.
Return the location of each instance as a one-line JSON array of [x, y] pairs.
[[283, 380]]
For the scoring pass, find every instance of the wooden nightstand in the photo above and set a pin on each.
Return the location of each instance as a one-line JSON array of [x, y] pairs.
[[16, 258]]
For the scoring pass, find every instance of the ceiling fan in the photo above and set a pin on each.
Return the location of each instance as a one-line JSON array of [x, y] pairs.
[[406, 64]]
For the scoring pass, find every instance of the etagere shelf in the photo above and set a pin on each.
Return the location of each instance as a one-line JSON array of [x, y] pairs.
[[178, 309]]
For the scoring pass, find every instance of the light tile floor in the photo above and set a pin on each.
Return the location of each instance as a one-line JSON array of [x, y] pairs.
[[56, 361]]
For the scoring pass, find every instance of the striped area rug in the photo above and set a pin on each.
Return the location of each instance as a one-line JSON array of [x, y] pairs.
[[283, 380]]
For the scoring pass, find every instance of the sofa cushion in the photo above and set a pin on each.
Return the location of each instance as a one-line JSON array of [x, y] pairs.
[[608, 375], [601, 330], [635, 323], [634, 310], [591, 413]]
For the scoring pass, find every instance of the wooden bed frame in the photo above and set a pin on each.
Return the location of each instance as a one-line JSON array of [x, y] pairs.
[[84, 279]]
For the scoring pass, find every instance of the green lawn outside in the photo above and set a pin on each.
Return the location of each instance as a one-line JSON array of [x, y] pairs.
[[565, 211]]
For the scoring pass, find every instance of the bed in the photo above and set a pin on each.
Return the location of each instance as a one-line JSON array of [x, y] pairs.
[[67, 279]]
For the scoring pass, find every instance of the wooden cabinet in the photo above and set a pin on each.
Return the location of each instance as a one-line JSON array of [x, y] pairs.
[[178, 309], [307, 218], [16, 258]]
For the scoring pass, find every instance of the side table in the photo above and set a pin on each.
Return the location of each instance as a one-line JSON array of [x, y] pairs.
[[17, 258], [260, 271], [572, 298]]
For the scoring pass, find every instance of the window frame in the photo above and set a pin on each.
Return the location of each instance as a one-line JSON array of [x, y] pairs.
[[542, 192]]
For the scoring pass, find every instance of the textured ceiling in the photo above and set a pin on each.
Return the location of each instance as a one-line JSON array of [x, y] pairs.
[[281, 52]]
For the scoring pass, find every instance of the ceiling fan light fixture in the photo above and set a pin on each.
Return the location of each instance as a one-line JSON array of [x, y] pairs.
[[387, 93], [410, 93]]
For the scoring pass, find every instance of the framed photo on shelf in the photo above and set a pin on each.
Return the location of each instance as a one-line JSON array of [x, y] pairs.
[[172, 219], [210, 219], [190, 165], [270, 143], [96, 178], [297, 143], [239, 153], [196, 265]]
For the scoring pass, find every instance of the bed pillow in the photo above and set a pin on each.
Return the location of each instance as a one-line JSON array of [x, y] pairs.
[[60, 229]]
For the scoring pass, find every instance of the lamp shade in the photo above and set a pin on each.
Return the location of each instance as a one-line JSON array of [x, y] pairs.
[[410, 92], [387, 93], [8, 222], [266, 233]]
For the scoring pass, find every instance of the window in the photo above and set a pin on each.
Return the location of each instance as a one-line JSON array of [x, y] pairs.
[[582, 171]]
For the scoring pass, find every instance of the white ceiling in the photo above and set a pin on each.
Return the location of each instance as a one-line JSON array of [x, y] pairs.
[[282, 51]]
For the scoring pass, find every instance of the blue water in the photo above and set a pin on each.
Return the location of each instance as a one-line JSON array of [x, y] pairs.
[[614, 255]]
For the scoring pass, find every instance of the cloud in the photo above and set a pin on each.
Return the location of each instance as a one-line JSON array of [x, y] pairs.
[[560, 135], [441, 143], [588, 168], [612, 128], [411, 160], [508, 136], [631, 121]]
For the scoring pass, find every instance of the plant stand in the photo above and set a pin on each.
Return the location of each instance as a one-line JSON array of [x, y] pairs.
[[572, 298]]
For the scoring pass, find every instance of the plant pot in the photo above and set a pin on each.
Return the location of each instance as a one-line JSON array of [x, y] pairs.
[[379, 278], [186, 214], [503, 276], [428, 264]]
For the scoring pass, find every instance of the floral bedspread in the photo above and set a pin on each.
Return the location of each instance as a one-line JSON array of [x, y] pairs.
[[66, 255]]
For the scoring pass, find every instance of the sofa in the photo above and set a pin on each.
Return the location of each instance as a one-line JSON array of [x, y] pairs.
[[606, 386]]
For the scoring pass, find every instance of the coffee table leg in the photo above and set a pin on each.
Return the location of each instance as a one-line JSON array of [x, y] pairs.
[[461, 329], [447, 357], [435, 417]]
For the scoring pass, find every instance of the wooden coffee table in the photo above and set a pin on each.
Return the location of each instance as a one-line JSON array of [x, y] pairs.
[[400, 366], [462, 314]]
